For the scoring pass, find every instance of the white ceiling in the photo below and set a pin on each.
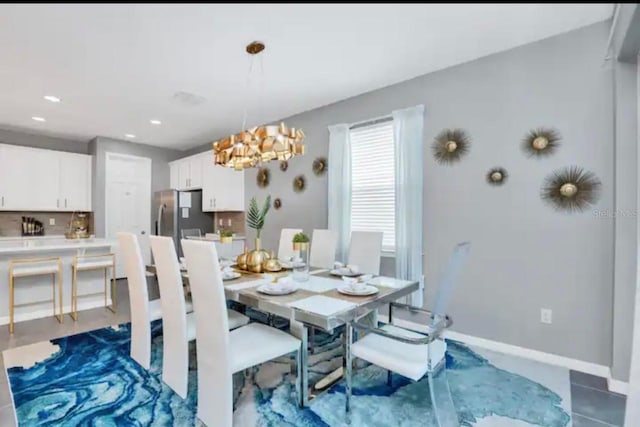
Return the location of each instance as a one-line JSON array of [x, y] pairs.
[[118, 66]]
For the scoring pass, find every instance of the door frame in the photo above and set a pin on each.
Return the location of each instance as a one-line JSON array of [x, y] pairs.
[[109, 157]]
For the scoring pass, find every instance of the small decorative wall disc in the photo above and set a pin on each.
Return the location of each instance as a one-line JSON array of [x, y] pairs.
[[571, 189], [497, 176], [263, 177], [284, 165], [320, 166], [541, 142], [299, 183], [277, 203], [450, 145]]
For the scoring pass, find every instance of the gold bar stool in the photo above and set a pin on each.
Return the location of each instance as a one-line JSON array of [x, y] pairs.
[[88, 263], [35, 267]]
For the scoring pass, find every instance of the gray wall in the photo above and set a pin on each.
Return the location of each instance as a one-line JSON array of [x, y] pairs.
[[41, 141], [160, 158], [525, 256], [626, 220]]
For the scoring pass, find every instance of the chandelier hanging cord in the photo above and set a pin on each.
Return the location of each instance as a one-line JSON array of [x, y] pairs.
[[244, 114]]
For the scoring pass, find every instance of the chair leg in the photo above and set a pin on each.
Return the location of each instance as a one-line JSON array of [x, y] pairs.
[[389, 378], [74, 294], [441, 400], [348, 330], [299, 394], [312, 340], [114, 288], [60, 295], [11, 303]]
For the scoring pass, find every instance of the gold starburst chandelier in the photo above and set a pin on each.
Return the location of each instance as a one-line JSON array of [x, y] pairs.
[[255, 146]]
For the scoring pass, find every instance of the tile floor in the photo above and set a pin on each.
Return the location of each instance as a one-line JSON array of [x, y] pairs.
[[593, 405]]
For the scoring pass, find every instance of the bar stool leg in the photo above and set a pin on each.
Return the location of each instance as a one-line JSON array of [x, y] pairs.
[[11, 302], [60, 315], [74, 292]]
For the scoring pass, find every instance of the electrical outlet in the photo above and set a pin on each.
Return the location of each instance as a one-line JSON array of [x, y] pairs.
[[546, 316], [52, 221], [229, 222]]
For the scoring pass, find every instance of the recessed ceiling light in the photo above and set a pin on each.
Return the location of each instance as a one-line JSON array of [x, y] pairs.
[[38, 119], [129, 135], [155, 122], [52, 98]]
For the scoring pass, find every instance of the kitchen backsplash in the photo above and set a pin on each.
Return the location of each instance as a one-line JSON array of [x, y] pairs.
[[236, 218], [11, 222]]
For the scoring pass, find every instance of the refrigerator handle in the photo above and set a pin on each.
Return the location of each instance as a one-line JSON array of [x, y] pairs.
[[159, 221]]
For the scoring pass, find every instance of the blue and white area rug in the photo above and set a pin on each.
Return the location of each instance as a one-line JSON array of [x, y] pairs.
[[89, 379]]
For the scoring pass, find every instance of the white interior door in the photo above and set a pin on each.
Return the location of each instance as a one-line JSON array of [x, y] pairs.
[[128, 201]]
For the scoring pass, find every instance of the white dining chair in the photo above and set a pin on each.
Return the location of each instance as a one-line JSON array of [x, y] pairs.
[[178, 327], [285, 247], [323, 248], [221, 352], [365, 251], [143, 311], [410, 353]]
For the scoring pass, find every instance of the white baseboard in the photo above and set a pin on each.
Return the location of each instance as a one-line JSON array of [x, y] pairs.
[[48, 312], [527, 353]]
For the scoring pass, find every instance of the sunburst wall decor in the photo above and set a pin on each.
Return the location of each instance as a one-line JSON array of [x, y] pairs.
[[284, 165], [299, 183], [497, 176], [277, 203], [450, 145], [263, 177], [320, 166], [541, 142], [571, 189]]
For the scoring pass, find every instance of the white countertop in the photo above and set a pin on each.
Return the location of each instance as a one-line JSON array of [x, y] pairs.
[[14, 245]]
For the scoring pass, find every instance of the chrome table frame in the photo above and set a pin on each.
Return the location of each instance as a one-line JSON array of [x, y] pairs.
[[307, 320]]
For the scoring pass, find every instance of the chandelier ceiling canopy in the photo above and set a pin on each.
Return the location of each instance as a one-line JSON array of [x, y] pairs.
[[255, 146]]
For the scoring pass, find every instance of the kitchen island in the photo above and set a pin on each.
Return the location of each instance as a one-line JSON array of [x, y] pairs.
[[36, 290]]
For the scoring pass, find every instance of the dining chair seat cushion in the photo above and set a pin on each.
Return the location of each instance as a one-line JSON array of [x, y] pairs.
[[155, 310], [94, 264], [236, 319], [255, 343], [408, 360], [34, 269]]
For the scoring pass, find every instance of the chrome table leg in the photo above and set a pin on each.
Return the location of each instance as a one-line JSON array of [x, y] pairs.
[[441, 400]]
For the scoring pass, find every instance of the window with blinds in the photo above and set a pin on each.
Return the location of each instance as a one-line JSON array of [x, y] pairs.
[[373, 181]]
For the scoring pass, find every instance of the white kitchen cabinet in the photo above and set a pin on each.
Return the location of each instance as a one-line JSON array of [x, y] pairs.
[[174, 175], [186, 174], [75, 182], [33, 179], [222, 188]]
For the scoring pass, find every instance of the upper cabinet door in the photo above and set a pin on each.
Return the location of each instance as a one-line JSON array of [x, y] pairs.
[[195, 172], [184, 174], [174, 175], [230, 195], [209, 184], [14, 178], [75, 182]]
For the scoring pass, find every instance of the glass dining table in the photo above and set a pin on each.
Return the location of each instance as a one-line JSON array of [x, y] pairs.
[[315, 304]]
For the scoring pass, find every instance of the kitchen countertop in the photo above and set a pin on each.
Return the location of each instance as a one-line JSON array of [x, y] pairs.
[[210, 237], [12, 245]]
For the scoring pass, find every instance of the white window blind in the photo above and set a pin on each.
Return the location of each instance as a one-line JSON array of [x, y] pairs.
[[373, 181]]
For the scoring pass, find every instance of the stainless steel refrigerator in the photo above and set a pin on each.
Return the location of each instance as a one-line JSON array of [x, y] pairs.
[[180, 210]]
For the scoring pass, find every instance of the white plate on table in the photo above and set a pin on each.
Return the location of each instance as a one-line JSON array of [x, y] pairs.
[[365, 291], [231, 276], [270, 289], [344, 272], [287, 264]]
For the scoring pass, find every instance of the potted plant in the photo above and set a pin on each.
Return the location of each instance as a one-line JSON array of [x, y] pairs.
[[226, 236], [300, 242], [255, 220]]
